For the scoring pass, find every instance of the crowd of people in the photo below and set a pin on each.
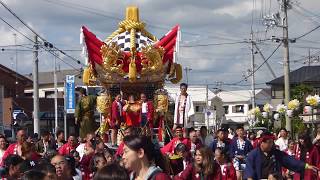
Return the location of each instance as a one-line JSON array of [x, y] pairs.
[[191, 154]]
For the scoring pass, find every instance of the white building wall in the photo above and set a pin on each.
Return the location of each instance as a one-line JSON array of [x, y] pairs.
[[42, 91]]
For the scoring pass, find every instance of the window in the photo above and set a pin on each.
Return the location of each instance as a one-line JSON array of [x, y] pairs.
[[49, 94], [226, 109], [199, 109], [273, 93], [277, 93], [316, 90], [238, 109]]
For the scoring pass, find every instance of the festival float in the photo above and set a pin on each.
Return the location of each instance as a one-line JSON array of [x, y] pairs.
[[132, 61]]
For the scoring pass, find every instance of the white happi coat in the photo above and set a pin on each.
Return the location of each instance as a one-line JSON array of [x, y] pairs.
[[189, 112]]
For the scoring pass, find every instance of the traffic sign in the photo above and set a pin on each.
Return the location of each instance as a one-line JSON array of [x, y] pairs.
[[70, 94]]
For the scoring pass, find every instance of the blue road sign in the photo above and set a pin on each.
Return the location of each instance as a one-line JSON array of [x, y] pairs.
[[70, 94]]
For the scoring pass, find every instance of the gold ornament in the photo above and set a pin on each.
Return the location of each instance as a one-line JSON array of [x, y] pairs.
[[132, 71], [111, 54], [104, 127], [104, 102], [88, 76], [152, 59], [178, 73], [132, 21], [162, 103]]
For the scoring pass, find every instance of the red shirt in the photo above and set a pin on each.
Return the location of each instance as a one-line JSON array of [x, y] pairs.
[[311, 157], [228, 172], [169, 148], [66, 149], [12, 149], [119, 152]]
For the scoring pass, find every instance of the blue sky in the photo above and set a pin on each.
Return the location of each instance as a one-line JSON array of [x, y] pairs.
[[216, 25]]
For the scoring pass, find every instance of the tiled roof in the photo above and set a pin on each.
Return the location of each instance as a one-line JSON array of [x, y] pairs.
[[305, 74]]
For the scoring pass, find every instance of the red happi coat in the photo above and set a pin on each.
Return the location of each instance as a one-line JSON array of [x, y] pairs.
[[66, 149], [188, 143], [84, 167], [115, 114], [285, 170], [12, 149], [119, 151], [190, 174], [315, 158], [312, 156], [169, 148], [255, 143], [228, 172]]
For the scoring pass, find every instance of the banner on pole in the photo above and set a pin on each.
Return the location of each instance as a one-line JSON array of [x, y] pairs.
[[70, 94]]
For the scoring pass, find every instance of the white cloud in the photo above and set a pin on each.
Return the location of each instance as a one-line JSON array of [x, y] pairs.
[[243, 8], [202, 22]]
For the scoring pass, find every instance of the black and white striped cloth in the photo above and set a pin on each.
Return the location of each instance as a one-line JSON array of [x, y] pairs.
[[123, 41]]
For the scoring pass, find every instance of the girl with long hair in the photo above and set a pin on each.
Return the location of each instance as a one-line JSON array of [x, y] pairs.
[[143, 160], [303, 153], [203, 168]]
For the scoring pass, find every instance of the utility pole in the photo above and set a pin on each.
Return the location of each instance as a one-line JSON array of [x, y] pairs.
[[35, 87], [286, 65], [207, 106], [16, 52], [309, 58], [187, 70], [264, 59], [65, 110], [55, 96], [253, 88]]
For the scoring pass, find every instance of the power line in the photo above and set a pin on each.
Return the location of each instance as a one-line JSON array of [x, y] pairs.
[[301, 36], [16, 29], [55, 55], [213, 44], [260, 65], [305, 16], [82, 8], [305, 47], [306, 10], [12, 45], [43, 39], [3, 49], [95, 11]]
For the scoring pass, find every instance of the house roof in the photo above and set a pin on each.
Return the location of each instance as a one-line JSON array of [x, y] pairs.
[[197, 93], [47, 77], [15, 74], [241, 95], [305, 74]]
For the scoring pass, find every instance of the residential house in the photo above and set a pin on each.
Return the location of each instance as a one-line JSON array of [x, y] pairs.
[[46, 83], [46, 96], [308, 75], [12, 85], [237, 104]]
